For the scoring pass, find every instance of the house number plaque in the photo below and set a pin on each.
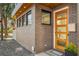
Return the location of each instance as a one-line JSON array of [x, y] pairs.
[[72, 27]]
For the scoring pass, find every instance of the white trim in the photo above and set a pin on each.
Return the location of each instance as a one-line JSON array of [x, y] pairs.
[[54, 22]]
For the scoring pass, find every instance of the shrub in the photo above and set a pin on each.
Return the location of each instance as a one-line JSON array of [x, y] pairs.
[[71, 50]]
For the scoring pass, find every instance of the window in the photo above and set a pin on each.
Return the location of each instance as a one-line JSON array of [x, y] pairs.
[[61, 29], [61, 22], [23, 20], [17, 22], [20, 21], [28, 18], [46, 16]]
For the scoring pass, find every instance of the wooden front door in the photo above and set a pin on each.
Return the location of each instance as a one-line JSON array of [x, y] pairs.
[[61, 28]]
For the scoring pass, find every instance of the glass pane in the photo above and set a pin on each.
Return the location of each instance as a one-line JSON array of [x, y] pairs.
[[23, 20], [45, 17], [61, 36], [61, 22], [30, 19], [46, 20], [29, 16], [61, 43], [19, 22], [61, 15], [61, 29]]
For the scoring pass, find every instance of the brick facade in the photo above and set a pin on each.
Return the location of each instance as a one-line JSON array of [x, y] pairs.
[[44, 33]]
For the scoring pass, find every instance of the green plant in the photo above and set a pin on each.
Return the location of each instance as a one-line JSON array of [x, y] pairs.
[[71, 49], [6, 10], [10, 30]]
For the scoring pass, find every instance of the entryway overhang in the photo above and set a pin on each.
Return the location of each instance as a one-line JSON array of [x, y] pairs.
[[51, 5], [21, 8]]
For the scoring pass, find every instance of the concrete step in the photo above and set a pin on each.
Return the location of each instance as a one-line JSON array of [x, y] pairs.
[[54, 53], [50, 53]]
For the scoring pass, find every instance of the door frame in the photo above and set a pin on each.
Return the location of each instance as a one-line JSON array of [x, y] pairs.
[[60, 9]]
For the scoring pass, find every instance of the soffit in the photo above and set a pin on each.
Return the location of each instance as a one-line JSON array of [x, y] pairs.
[[25, 6]]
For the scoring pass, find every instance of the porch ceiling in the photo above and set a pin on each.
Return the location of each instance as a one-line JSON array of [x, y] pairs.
[[22, 9], [51, 5], [25, 6]]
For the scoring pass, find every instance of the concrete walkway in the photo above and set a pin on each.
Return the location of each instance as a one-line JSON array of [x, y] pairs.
[[12, 48]]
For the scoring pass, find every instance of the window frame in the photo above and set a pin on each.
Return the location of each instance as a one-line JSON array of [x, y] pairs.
[[23, 19], [17, 22], [45, 11], [27, 20]]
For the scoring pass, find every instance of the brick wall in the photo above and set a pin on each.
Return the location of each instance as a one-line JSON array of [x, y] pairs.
[[44, 33], [26, 35], [78, 27]]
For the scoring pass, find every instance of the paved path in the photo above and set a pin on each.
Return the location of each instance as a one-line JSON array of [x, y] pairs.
[[12, 48]]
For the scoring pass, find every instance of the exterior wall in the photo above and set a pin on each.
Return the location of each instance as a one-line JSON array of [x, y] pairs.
[[42, 32], [40, 36], [72, 36], [73, 19], [26, 35], [78, 26]]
